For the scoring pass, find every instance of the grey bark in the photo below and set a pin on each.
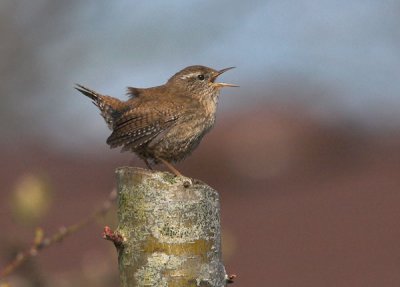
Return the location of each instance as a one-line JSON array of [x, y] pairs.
[[171, 230]]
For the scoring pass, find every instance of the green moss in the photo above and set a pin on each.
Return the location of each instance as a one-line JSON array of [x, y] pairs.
[[169, 178]]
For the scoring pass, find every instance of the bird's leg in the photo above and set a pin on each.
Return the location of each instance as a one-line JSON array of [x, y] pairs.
[[170, 167], [147, 164]]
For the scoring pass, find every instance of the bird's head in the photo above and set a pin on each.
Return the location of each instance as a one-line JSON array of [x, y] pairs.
[[199, 80]]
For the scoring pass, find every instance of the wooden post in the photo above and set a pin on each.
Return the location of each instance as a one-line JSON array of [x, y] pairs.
[[170, 227]]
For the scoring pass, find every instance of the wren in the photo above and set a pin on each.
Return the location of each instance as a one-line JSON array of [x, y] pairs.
[[164, 123]]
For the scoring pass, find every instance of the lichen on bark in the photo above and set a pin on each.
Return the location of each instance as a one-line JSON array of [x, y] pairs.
[[171, 230]]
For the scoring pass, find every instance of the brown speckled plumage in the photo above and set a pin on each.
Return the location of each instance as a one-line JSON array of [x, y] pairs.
[[164, 123]]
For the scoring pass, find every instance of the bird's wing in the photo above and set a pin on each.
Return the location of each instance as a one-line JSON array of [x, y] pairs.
[[153, 92], [133, 92], [138, 126]]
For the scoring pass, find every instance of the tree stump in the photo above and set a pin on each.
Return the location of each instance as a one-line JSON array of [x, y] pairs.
[[171, 230]]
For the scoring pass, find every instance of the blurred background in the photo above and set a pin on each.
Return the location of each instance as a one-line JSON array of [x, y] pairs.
[[305, 154]]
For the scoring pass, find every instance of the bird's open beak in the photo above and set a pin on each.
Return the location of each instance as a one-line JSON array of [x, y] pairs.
[[220, 85]]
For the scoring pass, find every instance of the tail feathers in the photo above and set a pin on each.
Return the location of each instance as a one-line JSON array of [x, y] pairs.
[[88, 93], [109, 106]]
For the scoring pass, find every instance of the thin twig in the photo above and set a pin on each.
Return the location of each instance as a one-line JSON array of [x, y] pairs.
[[41, 242], [230, 278], [114, 237]]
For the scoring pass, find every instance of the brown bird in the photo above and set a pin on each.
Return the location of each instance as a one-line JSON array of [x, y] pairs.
[[164, 123]]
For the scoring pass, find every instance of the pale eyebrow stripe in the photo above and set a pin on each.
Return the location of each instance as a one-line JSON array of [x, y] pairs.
[[188, 76]]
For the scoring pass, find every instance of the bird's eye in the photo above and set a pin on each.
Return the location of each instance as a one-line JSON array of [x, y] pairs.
[[200, 77]]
